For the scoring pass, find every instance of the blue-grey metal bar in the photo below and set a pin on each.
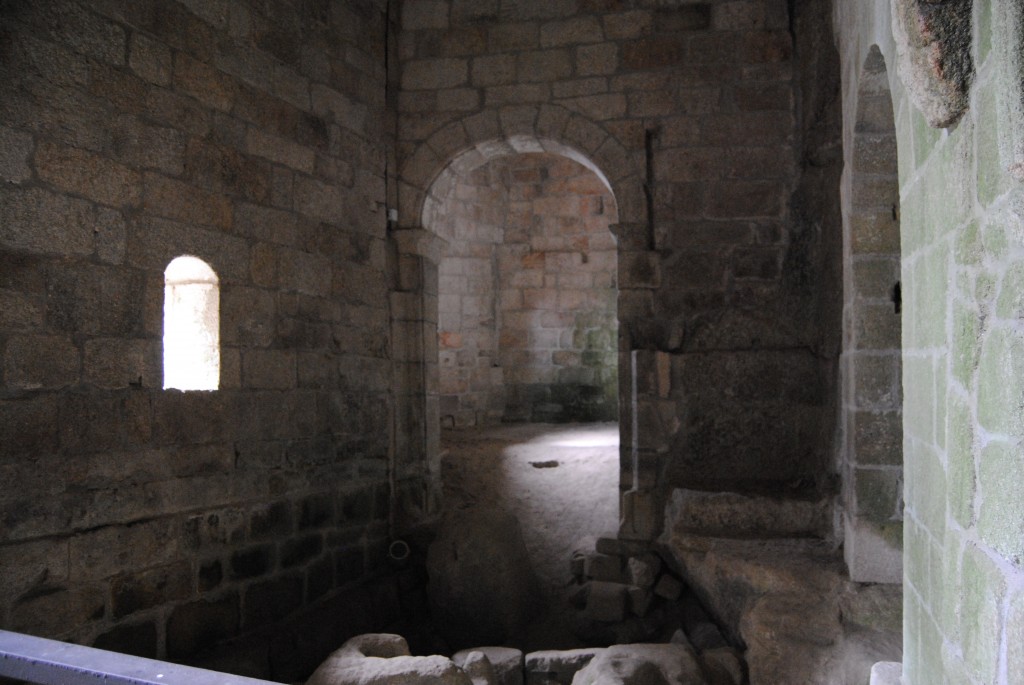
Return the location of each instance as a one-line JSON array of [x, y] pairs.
[[49, 662]]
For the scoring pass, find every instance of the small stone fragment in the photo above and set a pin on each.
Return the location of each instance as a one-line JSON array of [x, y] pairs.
[[640, 599], [643, 571]]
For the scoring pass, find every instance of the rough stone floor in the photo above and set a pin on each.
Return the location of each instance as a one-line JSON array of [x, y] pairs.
[[561, 483]]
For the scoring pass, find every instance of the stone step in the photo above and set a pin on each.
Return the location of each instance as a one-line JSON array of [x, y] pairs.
[[737, 515]]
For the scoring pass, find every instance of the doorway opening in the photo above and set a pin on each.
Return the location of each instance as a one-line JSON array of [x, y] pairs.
[[528, 350], [527, 325]]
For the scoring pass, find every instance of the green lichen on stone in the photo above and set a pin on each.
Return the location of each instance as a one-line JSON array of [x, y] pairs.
[[983, 590], [925, 138], [877, 494], [918, 398], [984, 289], [992, 180], [1001, 515], [993, 237], [960, 457], [951, 587], [968, 248], [1001, 383], [929, 291], [983, 23], [926, 488], [1010, 302], [966, 331], [1015, 639]]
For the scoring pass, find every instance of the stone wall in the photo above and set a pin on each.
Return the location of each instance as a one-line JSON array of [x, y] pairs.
[[558, 263], [961, 228], [526, 294], [254, 136], [697, 115], [473, 224]]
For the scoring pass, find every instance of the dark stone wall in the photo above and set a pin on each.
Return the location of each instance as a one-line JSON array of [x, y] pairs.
[[254, 136]]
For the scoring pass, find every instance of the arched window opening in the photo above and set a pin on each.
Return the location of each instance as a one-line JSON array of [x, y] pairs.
[[191, 325]]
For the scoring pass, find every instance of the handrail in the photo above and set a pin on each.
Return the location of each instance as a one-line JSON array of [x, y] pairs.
[[49, 662]]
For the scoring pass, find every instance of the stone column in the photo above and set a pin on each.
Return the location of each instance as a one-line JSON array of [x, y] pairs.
[[415, 464], [643, 389]]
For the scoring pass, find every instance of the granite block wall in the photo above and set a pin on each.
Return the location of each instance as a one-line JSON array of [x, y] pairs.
[[254, 136]]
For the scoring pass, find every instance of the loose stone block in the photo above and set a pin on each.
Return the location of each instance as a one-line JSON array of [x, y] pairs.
[[640, 600], [604, 567], [606, 602], [668, 587], [643, 571], [557, 666], [507, 662]]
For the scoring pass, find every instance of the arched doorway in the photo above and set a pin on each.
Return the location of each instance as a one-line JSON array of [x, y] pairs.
[[872, 400]]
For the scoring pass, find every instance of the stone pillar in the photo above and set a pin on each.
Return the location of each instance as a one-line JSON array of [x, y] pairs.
[[415, 464], [645, 381]]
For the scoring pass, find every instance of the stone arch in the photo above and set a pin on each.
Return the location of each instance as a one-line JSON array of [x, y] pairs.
[[871, 403], [472, 141]]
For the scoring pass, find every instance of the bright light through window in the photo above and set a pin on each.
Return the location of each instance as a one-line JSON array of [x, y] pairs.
[[191, 325]]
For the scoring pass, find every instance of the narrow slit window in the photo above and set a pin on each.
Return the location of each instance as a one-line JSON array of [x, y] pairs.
[[191, 325]]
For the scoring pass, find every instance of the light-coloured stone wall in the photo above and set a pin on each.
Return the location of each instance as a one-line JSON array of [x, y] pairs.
[[254, 136], [961, 229], [558, 293], [526, 294]]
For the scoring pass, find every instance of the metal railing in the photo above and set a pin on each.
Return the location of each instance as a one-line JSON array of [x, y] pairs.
[[49, 662]]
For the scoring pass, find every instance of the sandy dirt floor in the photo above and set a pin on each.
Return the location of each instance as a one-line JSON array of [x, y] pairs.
[[561, 483]]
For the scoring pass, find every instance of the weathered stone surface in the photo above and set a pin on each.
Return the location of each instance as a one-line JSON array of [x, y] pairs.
[[557, 666], [384, 658], [643, 571], [933, 41], [507, 662], [636, 664]]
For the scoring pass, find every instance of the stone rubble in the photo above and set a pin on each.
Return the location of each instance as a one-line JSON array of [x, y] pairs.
[[384, 659]]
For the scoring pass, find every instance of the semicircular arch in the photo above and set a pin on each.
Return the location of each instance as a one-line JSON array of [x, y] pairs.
[[468, 143]]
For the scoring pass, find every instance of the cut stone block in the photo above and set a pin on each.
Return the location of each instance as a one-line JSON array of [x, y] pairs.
[[640, 600], [610, 544], [643, 570], [605, 567], [668, 587], [723, 665], [606, 602], [506, 661], [553, 666]]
